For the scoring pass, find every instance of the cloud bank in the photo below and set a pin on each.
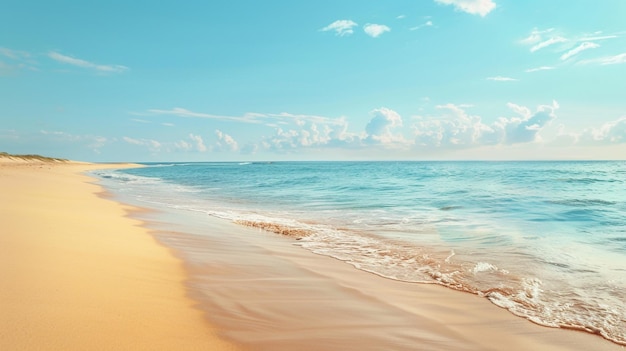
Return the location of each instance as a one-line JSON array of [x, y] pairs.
[[450, 128]]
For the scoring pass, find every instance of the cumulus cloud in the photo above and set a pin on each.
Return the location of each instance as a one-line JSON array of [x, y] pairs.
[[613, 132], [86, 64], [225, 141], [609, 133], [582, 47], [380, 128], [456, 128], [375, 30], [309, 133], [526, 129], [198, 142], [340, 27], [183, 145], [474, 7]]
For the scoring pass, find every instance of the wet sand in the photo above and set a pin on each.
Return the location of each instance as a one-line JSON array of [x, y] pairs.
[[266, 293], [78, 274]]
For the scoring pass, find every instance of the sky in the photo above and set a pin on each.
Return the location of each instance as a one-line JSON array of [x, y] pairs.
[[240, 80]]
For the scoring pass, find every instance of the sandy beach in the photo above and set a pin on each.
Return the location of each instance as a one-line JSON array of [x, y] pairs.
[[79, 274], [83, 272]]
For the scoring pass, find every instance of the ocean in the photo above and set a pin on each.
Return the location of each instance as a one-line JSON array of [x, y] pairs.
[[543, 240]]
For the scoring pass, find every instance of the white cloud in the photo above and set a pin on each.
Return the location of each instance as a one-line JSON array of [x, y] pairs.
[[199, 143], [502, 79], [606, 60], [225, 141], [542, 68], [183, 145], [14, 54], [401, 17], [319, 132], [454, 129], [610, 133], [582, 47], [548, 42], [605, 37], [425, 24], [457, 129], [380, 128], [535, 36], [86, 64], [17, 60], [269, 119], [341, 27], [152, 145], [474, 7], [181, 112], [540, 39], [375, 30], [92, 142], [613, 132], [520, 110], [526, 129], [451, 128], [139, 120]]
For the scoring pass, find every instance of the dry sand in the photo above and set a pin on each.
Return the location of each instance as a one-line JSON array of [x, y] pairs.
[[76, 273]]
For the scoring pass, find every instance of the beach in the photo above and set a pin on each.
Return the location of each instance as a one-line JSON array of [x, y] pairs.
[[79, 274], [82, 271]]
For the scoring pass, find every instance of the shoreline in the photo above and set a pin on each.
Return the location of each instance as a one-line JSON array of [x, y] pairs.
[[80, 273], [264, 292], [127, 277]]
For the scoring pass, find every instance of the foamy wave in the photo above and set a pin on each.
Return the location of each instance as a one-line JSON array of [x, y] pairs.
[[126, 178], [484, 267], [447, 260], [281, 229]]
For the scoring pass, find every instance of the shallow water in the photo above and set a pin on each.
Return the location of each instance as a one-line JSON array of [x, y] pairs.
[[545, 240]]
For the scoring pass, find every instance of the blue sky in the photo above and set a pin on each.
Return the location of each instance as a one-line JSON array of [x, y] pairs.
[[315, 80]]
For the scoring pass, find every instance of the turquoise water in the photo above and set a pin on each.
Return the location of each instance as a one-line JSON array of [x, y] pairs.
[[544, 240]]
